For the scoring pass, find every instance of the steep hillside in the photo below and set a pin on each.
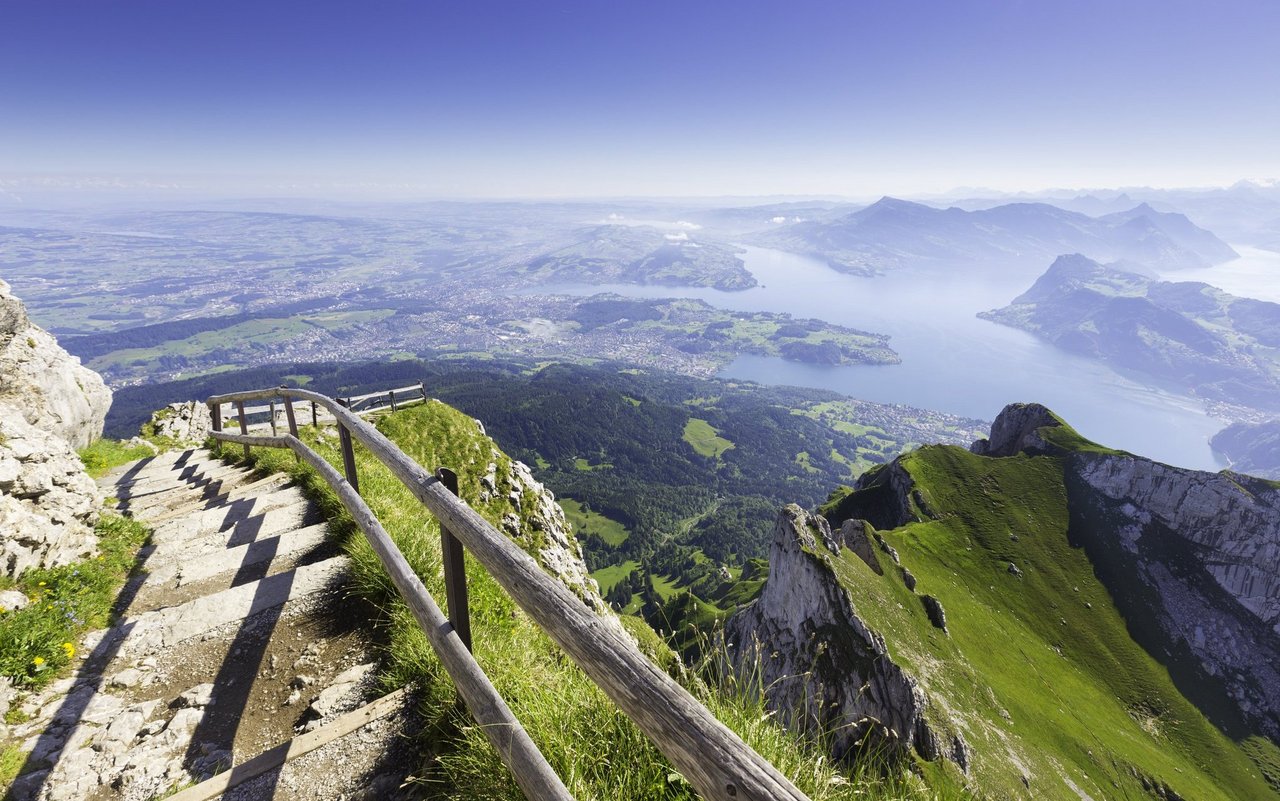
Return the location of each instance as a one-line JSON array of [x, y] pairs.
[[1045, 615], [1224, 347]]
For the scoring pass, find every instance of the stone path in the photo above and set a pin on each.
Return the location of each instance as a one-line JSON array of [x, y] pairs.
[[235, 638]]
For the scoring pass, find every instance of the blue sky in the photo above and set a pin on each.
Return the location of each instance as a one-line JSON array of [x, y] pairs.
[[478, 98]]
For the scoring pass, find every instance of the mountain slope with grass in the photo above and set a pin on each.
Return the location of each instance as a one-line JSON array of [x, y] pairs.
[[1045, 616]]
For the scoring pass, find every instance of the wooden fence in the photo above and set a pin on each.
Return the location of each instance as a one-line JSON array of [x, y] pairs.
[[705, 751], [267, 415]]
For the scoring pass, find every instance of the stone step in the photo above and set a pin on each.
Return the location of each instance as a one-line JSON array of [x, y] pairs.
[[237, 503], [240, 521], [160, 556], [184, 579], [156, 506], [150, 632], [170, 461], [193, 475]]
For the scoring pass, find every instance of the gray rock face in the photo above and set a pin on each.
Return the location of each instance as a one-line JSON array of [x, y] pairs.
[[43, 383], [820, 666], [187, 423], [1208, 546]]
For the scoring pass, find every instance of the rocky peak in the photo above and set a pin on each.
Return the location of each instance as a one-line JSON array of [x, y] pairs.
[[43, 383], [802, 643], [1017, 430]]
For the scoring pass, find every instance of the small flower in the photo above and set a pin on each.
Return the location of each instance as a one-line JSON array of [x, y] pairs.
[[70, 649], [38, 661], [42, 584]]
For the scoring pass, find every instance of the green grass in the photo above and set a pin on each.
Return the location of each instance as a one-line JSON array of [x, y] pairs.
[[607, 577], [12, 758], [705, 439], [38, 641], [104, 454], [1041, 673], [596, 749], [593, 524]]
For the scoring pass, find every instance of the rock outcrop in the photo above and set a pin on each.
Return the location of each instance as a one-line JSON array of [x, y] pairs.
[[818, 663], [43, 383], [1017, 430], [538, 524], [185, 424], [49, 405]]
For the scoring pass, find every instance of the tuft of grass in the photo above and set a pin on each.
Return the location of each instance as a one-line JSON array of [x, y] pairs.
[[37, 641], [103, 454], [592, 745], [12, 758]]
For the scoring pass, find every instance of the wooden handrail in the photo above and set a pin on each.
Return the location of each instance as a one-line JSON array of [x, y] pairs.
[[529, 767], [705, 751]]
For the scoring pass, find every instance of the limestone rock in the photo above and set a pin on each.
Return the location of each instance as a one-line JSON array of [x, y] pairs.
[[822, 667], [187, 423], [554, 545], [48, 504], [43, 383], [49, 405]]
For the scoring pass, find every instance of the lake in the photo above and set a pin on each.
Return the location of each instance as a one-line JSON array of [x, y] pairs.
[[954, 362]]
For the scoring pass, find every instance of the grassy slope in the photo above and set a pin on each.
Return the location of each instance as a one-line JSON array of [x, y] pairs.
[[597, 751], [1039, 671]]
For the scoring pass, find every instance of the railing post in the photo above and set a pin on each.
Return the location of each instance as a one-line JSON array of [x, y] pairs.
[[272, 406], [244, 425], [293, 422], [348, 453], [315, 421], [423, 389], [392, 393], [215, 412], [455, 573]]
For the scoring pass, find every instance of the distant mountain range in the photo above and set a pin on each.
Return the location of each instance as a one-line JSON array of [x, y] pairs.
[[893, 233], [1221, 346]]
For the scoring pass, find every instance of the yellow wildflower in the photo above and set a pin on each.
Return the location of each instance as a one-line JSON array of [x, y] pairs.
[[70, 649], [38, 661], [41, 584]]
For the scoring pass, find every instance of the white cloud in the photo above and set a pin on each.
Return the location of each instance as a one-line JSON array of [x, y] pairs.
[[680, 237]]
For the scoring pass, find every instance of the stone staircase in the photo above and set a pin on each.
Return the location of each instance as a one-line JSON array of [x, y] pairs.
[[237, 651]]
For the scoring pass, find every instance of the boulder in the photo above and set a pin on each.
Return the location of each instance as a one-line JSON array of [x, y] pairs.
[[187, 423]]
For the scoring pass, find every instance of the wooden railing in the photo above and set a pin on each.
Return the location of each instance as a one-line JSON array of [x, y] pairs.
[[392, 399], [705, 751]]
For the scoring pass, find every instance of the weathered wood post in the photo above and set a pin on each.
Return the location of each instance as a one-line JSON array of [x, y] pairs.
[[315, 421], [215, 411], [293, 421], [244, 425], [271, 405], [392, 394], [348, 454], [455, 573], [423, 389]]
